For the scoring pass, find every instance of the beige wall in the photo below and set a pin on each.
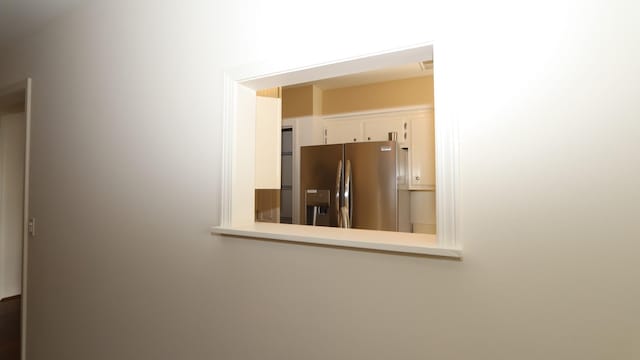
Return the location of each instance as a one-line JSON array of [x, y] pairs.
[[273, 92], [388, 94], [126, 178], [297, 101]]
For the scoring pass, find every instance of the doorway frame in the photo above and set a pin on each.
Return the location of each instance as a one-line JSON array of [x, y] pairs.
[[26, 87]]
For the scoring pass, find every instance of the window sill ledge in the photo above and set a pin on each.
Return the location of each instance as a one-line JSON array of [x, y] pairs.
[[423, 244]]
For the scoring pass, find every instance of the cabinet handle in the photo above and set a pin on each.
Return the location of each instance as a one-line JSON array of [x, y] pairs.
[[405, 136], [354, 139], [417, 178], [369, 138]]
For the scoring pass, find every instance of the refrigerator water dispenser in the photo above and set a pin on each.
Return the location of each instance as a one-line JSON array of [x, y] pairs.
[[317, 205]]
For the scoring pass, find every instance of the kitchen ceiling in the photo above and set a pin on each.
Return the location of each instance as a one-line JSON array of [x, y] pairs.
[[21, 18]]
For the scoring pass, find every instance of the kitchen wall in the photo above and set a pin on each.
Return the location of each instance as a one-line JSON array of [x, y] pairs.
[[301, 101], [273, 92], [297, 101], [387, 94], [126, 179]]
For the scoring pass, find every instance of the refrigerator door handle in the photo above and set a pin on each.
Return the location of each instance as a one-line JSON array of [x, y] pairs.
[[348, 205], [338, 179]]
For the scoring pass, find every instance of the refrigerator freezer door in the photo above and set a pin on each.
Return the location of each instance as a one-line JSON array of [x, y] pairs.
[[374, 189], [318, 166]]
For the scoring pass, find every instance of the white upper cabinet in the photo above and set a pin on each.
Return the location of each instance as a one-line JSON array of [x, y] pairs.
[[339, 131], [414, 131], [370, 126], [377, 128], [422, 160]]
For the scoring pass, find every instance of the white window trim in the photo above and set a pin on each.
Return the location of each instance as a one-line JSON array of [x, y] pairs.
[[238, 162]]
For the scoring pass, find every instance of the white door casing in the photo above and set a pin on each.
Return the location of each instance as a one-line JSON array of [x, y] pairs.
[[23, 90]]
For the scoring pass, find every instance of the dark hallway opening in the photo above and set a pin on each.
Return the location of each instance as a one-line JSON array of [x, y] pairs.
[[10, 328]]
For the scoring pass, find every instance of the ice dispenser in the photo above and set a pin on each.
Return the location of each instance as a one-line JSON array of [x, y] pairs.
[[317, 205]]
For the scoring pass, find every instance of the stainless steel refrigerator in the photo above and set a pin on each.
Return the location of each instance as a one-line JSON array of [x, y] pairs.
[[355, 185]]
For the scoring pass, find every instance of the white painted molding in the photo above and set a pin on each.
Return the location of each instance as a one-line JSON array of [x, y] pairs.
[[447, 181], [238, 167], [228, 132], [237, 211], [394, 110], [399, 242], [26, 215]]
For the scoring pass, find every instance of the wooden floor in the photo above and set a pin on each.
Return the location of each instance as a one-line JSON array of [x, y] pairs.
[[10, 329]]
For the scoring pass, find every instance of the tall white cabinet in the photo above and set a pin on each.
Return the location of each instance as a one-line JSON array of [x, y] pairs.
[[422, 159], [267, 142]]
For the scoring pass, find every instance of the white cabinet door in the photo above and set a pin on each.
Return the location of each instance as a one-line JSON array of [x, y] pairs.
[[268, 133], [368, 128], [414, 129], [343, 131], [422, 161], [378, 128], [310, 130]]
